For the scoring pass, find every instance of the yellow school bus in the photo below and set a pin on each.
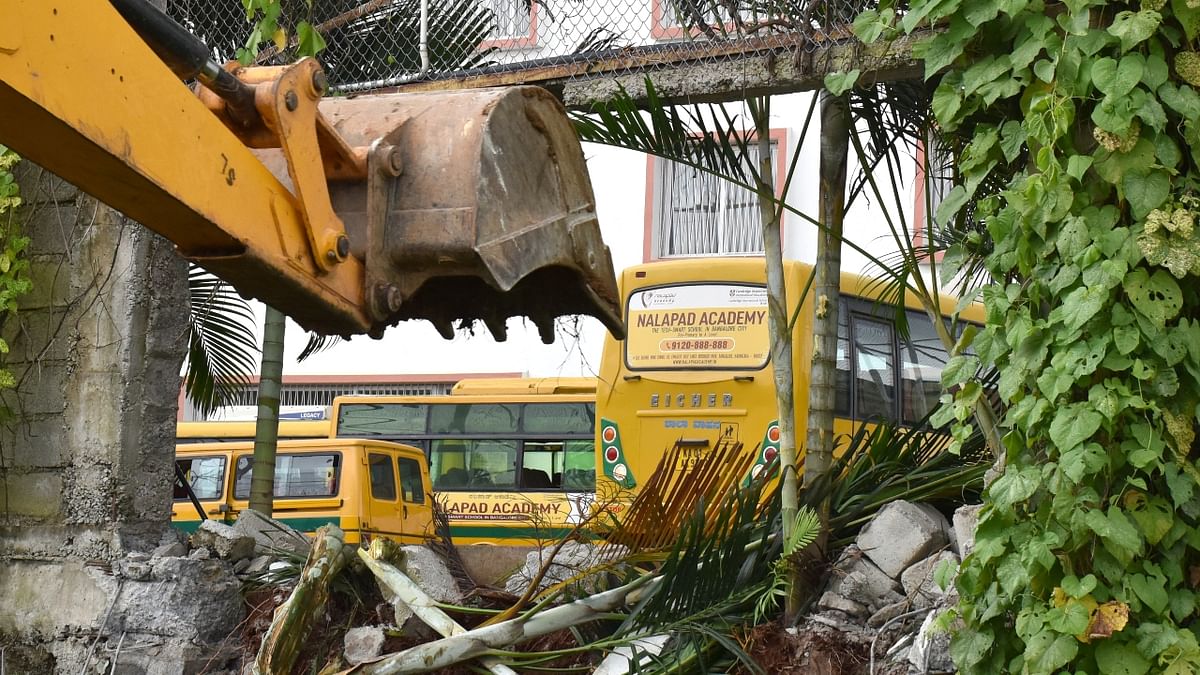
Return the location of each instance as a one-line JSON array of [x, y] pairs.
[[512, 461], [368, 488], [217, 432], [695, 366]]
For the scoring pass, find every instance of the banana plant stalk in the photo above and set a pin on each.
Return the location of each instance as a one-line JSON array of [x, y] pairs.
[[439, 654], [294, 618], [425, 607]]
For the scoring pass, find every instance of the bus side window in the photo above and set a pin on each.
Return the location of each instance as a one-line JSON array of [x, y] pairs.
[[875, 369], [841, 398], [206, 476], [383, 477], [922, 358], [579, 471], [410, 480], [448, 464], [541, 465]]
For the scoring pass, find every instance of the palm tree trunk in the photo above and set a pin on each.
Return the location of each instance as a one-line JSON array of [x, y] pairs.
[[781, 341], [835, 138], [266, 433]]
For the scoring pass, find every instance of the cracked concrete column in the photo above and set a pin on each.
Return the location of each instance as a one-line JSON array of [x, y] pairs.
[[86, 458]]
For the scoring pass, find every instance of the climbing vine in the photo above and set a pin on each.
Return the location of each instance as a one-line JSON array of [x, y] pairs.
[[1087, 556], [14, 268]]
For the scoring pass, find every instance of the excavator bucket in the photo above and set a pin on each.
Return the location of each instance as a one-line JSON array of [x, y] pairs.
[[477, 206]]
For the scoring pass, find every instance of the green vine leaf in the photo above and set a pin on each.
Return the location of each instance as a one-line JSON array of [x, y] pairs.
[[1132, 28], [1073, 425], [1156, 297]]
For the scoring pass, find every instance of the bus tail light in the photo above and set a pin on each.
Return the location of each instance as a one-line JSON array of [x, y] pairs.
[[768, 453], [616, 467]]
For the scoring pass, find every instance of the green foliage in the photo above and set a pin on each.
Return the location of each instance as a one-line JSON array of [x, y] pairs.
[[263, 16], [222, 343], [1086, 551], [805, 531], [14, 267]]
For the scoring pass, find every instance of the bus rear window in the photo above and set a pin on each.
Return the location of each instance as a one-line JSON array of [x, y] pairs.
[[315, 475], [709, 326]]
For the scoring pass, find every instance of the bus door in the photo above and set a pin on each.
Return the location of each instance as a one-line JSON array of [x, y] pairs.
[[416, 497], [382, 513]]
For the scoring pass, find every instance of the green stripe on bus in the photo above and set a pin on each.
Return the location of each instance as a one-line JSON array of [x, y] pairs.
[[502, 532], [301, 524]]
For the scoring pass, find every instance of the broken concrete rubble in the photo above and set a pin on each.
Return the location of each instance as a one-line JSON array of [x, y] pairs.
[[869, 588], [920, 579], [966, 519], [430, 573], [570, 561], [363, 644], [270, 535], [902, 533], [855, 576], [223, 540], [930, 651]]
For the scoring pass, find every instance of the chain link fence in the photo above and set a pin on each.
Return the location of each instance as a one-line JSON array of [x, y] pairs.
[[378, 43]]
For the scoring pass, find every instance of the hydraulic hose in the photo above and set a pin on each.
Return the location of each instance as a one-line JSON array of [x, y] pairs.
[[188, 57]]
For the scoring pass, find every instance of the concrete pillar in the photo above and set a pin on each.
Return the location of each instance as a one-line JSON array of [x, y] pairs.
[[86, 454]]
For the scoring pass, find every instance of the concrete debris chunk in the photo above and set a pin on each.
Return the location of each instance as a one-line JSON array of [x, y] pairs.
[[966, 519], [427, 569], [270, 534], [571, 560], [226, 542], [856, 578], [930, 651], [902, 533], [363, 644], [887, 613], [172, 549], [831, 600], [919, 580]]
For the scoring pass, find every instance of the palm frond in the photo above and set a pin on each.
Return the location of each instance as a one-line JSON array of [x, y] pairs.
[[689, 135], [318, 343], [883, 462], [222, 342]]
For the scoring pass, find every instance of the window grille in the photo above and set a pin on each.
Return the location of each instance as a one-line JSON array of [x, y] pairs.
[[512, 18], [699, 214]]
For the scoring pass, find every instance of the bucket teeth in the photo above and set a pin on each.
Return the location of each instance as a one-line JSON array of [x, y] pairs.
[[545, 326], [445, 328], [498, 327]]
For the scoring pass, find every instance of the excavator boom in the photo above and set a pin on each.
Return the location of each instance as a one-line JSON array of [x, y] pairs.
[[346, 214]]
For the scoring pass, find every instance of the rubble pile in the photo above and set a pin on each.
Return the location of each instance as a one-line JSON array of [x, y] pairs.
[[893, 581]]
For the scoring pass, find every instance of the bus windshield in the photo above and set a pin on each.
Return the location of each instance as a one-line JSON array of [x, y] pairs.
[[709, 326]]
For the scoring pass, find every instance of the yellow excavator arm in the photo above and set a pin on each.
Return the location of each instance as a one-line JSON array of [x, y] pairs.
[[348, 215]]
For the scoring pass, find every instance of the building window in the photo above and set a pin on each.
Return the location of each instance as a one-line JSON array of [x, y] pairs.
[[934, 180], [514, 23], [680, 18], [694, 213]]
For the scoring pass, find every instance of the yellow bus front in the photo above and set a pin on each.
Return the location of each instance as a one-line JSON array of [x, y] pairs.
[[695, 368]]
